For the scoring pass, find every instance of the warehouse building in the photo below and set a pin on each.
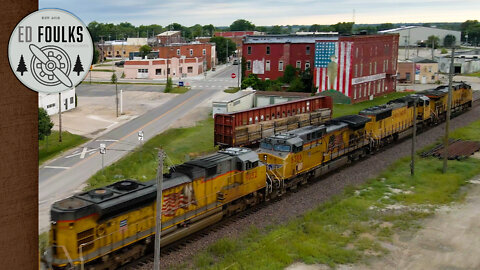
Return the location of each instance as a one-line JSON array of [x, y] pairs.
[[50, 101], [158, 68], [360, 67], [414, 35]]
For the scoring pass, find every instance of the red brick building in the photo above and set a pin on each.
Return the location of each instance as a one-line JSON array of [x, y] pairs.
[[237, 36], [360, 67], [267, 56], [189, 50], [169, 37]]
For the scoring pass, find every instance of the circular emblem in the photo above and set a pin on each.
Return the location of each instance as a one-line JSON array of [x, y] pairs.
[[50, 50]]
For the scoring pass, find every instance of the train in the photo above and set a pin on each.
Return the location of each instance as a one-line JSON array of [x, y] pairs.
[[110, 226]]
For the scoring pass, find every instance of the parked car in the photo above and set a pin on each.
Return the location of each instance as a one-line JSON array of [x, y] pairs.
[[235, 62], [120, 63]]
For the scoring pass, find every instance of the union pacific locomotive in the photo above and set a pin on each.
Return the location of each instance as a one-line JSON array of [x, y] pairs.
[[110, 226]]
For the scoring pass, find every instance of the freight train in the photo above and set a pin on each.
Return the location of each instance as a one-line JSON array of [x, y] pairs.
[[107, 227]]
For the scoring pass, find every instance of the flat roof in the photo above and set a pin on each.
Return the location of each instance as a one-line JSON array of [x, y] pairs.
[[287, 39]]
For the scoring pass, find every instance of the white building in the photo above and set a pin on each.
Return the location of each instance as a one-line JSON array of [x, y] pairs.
[[413, 35], [50, 101], [239, 101]]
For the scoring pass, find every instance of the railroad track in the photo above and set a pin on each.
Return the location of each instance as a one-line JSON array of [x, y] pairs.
[[147, 260]]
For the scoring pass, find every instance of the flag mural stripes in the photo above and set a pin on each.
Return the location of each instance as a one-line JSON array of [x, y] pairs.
[[333, 61]]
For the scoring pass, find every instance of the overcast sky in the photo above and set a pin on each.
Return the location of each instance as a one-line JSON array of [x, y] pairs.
[[268, 12]]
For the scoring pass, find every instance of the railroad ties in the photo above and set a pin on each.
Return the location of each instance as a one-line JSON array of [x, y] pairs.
[[457, 149]]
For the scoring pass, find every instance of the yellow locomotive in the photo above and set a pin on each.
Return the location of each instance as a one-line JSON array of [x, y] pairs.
[[107, 227]]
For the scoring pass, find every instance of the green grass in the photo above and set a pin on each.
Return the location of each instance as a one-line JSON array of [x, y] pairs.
[[51, 148], [179, 145], [42, 242], [103, 70], [351, 227], [470, 132], [179, 90], [231, 90], [476, 74], [348, 109]]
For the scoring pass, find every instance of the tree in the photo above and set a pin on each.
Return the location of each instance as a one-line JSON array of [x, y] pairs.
[[145, 50], [45, 124], [343, 27], [449, 41], [113, 79], [96, 55], [21, 66], [276, 29], [221, 44], [320, 28], [296, 85], [78, 66], [470, 31], [433, 40], [197, 30], [289, 74], [242, 25], [168, 86], [385, 26], [208, 30], [252, 81]]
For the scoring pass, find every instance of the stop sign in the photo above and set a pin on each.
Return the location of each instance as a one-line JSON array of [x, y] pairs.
[[233, 75]]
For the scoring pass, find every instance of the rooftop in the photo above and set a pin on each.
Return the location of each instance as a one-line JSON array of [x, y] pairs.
[[412, 27], [168, 33], [287, 38]]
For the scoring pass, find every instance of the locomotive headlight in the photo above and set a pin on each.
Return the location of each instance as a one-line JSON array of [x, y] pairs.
[[265, 157]]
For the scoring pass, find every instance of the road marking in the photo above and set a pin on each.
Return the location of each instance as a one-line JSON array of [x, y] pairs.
[[56, 167], [126, 136], [82, 154], [107, 140], [84, 151], [76, 151], [112, 124]]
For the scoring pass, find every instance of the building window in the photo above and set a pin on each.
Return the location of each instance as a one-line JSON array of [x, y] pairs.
[[71, 100], [142, 70], [249, 50], [267, 65], [407, 76], [361, 69], [307, 51], [204, 51], [118, 52], [189, 69], [158, 71], [280, 66], [375, 67], [370, 69], [356, 70], [50, 105], [307, 64], [299, 64], [124, 52], [249, 65], [178, 51], [168, 71], [268, 50], [360, 91], [378, 87], [356, 52], [355, 92], [191, 52]]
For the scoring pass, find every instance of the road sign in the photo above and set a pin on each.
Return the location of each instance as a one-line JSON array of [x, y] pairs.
[[234, 76], [180, 83], [103, 148], [140, 135]]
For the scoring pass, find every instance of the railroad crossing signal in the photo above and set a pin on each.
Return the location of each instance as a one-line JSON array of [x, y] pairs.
[[140, 135], [103, 149], [234, 76]]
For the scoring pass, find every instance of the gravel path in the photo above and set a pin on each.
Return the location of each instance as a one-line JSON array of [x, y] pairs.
[[305, 199]]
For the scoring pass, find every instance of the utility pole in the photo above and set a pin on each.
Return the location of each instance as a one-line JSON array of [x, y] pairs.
[[408, 45], [414, 137], [60, 117], [158, 227], [449, 111], [116, 93], [226, 40], [433, 47]]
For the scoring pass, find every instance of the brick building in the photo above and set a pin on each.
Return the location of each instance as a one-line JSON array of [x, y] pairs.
[[168, 37], [158, 68], [237, 36], [121, 48], [267, 56], [360, 67], [206, 51]]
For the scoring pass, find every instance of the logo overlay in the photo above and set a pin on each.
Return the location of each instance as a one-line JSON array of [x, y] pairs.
[[50, 50]]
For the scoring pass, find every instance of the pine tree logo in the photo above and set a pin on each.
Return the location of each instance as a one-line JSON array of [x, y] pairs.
[[78, 66], [21, 66]]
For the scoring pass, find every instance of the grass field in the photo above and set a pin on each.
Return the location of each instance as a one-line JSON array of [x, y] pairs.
[[231, 90], [347, 109], [179, 144], [476, 74], [179, 90], [350, 227], [51, 148]]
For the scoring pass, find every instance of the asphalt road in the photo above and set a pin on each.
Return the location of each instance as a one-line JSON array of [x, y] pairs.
[[63, 176]]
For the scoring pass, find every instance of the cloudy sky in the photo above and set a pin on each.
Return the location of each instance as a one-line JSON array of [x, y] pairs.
[[268, 12]]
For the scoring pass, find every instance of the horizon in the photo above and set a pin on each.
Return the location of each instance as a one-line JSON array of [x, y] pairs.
[[281, 13]]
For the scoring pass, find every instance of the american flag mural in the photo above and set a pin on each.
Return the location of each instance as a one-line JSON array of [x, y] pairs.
[[174, 201], [333, 66]]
